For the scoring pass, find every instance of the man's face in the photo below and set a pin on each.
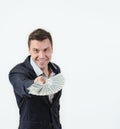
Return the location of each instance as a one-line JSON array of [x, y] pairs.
[[41, 52]]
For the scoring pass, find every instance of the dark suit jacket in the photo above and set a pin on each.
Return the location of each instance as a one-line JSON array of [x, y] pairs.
[[36, 112]]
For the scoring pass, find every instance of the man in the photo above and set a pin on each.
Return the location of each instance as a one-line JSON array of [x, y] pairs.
[[37, 110]]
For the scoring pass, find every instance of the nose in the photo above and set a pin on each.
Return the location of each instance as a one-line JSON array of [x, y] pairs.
[[41, 54]]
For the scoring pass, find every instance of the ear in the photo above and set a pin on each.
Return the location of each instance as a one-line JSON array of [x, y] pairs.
[[52, 50], [29, 51]]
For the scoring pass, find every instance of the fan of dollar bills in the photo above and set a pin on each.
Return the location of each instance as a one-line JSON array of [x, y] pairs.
[[51, 86]]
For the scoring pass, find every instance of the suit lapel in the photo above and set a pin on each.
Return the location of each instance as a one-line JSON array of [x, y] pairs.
[[46, 99], [56, 97]]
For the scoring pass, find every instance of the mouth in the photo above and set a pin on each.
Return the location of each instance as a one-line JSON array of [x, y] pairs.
[[41, 61]]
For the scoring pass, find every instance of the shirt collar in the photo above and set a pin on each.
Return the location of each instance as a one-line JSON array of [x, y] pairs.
[[37, 70]]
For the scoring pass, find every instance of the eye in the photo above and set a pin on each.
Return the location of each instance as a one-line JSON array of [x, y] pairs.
[[46, 49], [35, 50]]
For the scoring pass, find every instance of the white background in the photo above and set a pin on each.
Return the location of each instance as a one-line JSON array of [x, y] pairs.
[[86, 35]]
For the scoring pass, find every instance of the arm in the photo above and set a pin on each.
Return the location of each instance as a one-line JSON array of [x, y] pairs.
[[20, 81]]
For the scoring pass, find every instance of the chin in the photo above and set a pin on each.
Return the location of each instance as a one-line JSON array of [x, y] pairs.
[[41, 66]]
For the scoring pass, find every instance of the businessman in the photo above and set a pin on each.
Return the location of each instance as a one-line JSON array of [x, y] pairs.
[[38, 110]]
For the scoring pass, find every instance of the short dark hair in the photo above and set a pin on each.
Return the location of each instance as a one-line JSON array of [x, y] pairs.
[[39, 34]]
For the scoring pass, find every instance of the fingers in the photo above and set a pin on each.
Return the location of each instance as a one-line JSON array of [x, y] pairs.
[[40, 80]]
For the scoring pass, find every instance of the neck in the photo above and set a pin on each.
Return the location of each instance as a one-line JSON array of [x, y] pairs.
[[47, 72]]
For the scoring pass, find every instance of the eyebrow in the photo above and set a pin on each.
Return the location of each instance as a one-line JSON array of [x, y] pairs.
[[39, 49], [35, 48]]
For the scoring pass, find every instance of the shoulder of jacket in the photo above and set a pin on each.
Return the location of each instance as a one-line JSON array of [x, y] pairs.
[[54, 67]]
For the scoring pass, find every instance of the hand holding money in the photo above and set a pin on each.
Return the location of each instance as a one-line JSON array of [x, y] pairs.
[[40, 80], [42, 86]]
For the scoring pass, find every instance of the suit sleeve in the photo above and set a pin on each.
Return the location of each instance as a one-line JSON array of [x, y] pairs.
[[20, 82]]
